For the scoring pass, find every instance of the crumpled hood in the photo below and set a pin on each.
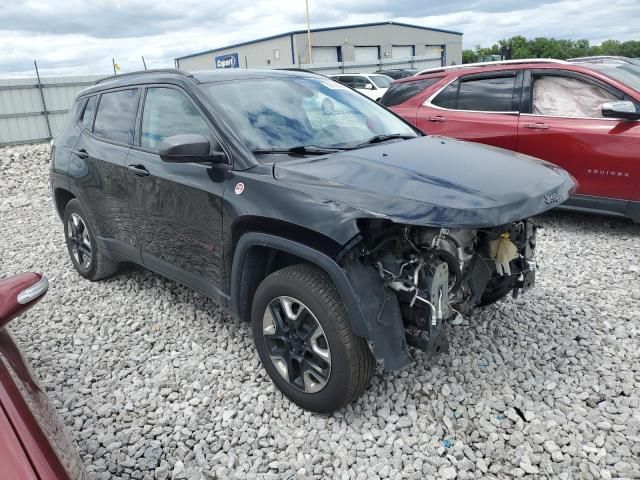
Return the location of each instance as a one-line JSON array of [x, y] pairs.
[[433, 181]]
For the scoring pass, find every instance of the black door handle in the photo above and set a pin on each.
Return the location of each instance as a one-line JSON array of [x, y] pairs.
[[139, 170], [82, 153]]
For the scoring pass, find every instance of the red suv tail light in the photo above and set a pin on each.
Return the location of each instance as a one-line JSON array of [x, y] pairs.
[[19, 293]]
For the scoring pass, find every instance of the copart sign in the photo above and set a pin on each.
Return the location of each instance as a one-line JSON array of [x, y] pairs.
[[227, 61]]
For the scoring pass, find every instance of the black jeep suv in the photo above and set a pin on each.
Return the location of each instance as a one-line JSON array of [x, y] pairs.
[[338, 230]]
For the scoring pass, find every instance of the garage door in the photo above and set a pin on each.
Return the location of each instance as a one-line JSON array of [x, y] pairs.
[[324, 54], [433, 51], [366, 54], [402, 51]]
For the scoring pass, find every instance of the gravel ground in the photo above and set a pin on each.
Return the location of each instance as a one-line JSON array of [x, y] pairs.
[[156, 381]]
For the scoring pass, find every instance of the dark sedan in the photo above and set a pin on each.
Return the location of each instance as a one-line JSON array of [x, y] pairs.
[[397, 73]]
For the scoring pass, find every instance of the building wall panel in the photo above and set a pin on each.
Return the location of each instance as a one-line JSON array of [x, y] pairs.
[[384, 36], [256, 54]]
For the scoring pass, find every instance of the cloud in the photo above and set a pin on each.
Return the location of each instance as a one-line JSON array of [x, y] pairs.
[[79, 37]]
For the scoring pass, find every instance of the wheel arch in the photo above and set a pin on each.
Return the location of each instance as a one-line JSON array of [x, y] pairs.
[[62, 197], [373, 312], [284, 229]]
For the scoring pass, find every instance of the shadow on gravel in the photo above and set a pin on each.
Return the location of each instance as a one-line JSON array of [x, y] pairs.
[[592, 223], [130, 272]]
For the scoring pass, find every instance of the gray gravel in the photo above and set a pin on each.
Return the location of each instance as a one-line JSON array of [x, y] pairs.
[[154, 380]]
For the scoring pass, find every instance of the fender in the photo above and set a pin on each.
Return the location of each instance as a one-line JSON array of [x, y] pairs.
[[373, 310]]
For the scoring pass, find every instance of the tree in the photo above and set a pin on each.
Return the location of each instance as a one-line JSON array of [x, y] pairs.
[[543, 47], [469, 56]]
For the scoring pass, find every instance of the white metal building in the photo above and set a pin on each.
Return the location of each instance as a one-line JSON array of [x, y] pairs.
[[377, 45]]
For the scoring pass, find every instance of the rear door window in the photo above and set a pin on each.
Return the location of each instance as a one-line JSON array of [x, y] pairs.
[[169, 112], [116, 115], [346, 80], [361, 82], [487, 94], [448, 98], [87, 116]]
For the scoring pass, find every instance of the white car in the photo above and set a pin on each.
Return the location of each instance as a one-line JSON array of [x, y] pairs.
[[373, 85]]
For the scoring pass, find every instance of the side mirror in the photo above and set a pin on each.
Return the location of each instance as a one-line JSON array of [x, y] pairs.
[[368, 86], [624, 110], [187, 148]]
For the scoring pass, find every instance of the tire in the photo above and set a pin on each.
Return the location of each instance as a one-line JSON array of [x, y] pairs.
[[83, 250], [351, 365], [496, 291]]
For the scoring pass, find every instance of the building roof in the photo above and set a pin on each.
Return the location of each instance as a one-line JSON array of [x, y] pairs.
[[325, 29]]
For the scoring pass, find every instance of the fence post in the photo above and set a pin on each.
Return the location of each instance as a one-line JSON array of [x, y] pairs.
[[44, 104]]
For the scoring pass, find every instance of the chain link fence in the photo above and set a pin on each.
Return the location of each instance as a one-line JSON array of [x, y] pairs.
[[417, 62], [33, 109]]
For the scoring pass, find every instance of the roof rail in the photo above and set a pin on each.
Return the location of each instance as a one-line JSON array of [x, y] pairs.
[[490, 64], [604, 59], [139, 72], [296, 69], [594, 57]]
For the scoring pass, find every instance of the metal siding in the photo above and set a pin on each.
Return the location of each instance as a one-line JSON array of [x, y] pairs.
[[383, 36], [22, 118], [324, 54], [256, 55], [402, 51]]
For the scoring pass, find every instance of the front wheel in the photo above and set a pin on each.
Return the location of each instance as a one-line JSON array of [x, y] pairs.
[[302, 334]]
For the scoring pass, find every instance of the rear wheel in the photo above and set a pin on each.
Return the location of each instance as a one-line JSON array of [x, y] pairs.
[[87, 259], [301, 331]]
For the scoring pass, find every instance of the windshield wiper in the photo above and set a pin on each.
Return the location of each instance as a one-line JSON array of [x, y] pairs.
[[384, 138], [299, 150]]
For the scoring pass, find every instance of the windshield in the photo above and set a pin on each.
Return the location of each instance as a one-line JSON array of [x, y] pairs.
[[289, 112], [381, 81], [623, 72]]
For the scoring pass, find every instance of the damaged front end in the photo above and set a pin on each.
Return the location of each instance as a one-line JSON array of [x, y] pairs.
[[429, 276]]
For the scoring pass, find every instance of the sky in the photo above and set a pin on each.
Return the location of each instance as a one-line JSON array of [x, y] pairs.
[[76, 37]]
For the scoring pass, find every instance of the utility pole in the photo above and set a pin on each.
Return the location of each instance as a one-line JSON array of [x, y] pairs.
[[113, 62], [309, 33]]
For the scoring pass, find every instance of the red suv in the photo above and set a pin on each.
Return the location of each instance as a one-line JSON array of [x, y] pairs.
[[581, 116]]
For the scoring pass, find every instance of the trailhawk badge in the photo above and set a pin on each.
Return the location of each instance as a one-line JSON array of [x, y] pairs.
[[550, 198], [239, 188]]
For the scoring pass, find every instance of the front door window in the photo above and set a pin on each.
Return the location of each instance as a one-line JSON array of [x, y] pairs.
[[556, 96]]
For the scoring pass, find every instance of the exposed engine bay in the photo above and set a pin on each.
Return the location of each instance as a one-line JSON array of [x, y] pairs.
[[439, 274]]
